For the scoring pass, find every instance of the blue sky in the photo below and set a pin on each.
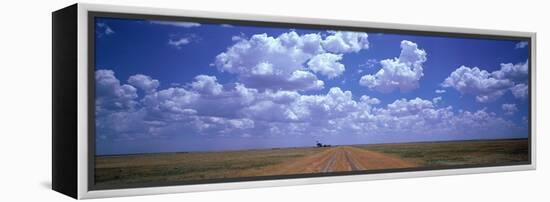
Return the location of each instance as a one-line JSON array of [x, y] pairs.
[[185, 86]]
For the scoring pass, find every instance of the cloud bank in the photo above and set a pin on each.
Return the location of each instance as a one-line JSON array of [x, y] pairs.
[[489, 86], [208, 108]]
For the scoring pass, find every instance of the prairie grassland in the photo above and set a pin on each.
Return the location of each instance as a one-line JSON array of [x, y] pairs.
[[457, 152], [186, 167], [167, 167]]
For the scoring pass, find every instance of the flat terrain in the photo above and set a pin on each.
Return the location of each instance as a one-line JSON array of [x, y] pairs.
[[166, 167], [457, 152], [337, 159], [181, 167]]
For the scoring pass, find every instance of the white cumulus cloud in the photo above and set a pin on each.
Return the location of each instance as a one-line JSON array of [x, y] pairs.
[[488, 86], [289, 61], [371, 101], [327, 64], [110, 94], [143, 82], [477, 82], [401, 73], [208, 85], [514, 72], [273, 62], [345, 42], [172, 103], [520, 91]]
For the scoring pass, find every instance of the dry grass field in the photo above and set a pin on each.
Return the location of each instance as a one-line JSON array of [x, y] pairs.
[[185, 167], [167, 167], [457, 152]]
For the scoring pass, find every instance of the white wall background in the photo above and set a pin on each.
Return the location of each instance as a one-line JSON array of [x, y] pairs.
[[25, 99]]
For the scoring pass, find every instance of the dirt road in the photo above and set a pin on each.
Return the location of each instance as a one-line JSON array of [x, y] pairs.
[[335, 159]]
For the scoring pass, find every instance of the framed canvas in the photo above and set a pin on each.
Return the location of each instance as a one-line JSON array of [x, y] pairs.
[[150, 101]]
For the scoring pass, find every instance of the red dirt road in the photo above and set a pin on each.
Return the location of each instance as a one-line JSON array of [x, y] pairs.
[[335, 159]]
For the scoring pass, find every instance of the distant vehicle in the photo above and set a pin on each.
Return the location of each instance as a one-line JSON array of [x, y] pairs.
[[319, 144]]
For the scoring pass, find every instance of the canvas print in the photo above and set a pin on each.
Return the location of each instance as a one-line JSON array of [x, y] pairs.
[[200, 101]]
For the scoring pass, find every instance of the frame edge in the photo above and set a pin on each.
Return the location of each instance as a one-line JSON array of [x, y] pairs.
[[83, 188], [64, 114]]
